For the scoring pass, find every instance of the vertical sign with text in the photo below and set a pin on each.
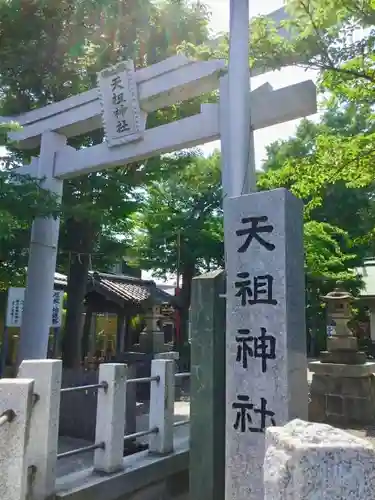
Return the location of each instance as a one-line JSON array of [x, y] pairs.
[[261, 283], [15, 303], [121, 113]]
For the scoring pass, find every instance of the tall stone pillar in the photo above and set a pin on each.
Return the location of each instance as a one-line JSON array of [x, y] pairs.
[[207, 387], [266, 383]]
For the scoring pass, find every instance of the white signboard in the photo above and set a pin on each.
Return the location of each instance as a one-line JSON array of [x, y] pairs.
[[121, 113], [14, 312]]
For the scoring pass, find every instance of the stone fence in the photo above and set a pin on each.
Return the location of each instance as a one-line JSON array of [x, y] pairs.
[[29, 423]]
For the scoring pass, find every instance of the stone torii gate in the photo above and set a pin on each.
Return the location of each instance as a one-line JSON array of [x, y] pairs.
[[163, 84]]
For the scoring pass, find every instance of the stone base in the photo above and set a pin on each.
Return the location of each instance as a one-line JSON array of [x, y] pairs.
[[146, 343], [343, 356], [340, 343], [152, 342], [342, 370], [342, 394], [158, 342]]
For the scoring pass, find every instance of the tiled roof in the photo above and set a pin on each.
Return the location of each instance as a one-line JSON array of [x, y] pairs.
[[127, 288], [130, 289], [124, 289]]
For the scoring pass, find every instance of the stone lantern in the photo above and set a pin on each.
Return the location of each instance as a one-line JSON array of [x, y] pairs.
[[151, 339], [342, 346], [342, 389]]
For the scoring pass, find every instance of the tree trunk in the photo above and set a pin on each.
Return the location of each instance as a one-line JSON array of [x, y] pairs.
[[76, 291], [82, 236]]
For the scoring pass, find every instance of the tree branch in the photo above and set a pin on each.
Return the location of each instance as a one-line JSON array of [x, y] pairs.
[[320, 42]]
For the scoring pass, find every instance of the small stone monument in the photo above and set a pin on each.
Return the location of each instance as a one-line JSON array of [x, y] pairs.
[[343, 385]]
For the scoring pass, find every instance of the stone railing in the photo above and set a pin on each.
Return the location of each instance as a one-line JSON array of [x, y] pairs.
[[303, 460], [29, 423]]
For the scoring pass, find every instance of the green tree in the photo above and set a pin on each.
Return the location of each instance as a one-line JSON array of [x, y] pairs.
[[329, 164], [329, 259], [334, 200], [339, 216], [337, 38], [51, 50], [22, 198], [179, 229]]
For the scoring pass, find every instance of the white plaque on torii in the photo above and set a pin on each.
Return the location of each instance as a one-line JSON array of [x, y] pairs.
[[121, 114]]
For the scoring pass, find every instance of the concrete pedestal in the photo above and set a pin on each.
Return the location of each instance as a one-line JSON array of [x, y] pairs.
[[342, 394]]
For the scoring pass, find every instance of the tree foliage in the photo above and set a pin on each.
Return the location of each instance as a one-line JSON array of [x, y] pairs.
[[336, 217], [179, 227], [330, 164], [187, 202], [338, 38], [51, 50], [22, 198]]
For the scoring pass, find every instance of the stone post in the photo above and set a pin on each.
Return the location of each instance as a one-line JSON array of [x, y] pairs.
[[207, 387], [162, 406], [131, 402], [16, 401], [308, 461], [44, 427], [266, 382], [110, 416]]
